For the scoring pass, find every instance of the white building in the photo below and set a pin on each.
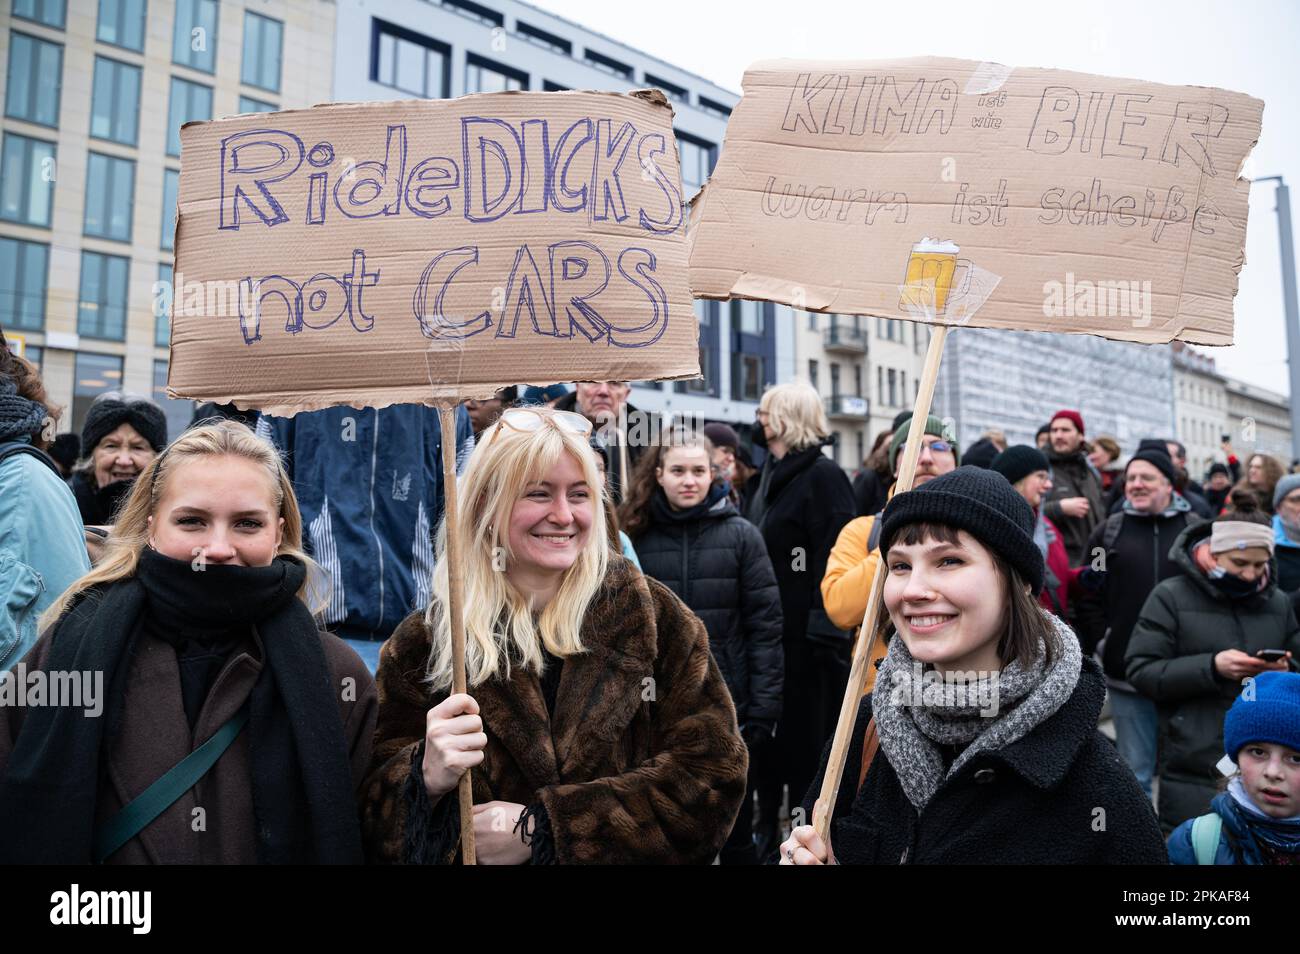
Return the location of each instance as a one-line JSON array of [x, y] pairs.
[[1259, 422], [1200, 408]]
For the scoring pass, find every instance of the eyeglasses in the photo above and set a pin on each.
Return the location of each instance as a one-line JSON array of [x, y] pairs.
[[935, 447], [527, 420]]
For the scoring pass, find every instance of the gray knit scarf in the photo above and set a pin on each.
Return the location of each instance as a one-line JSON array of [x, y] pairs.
[[917, 712], [20, 417]]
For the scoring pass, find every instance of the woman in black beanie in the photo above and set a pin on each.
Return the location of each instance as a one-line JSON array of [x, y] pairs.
[[981, 735], [120, 436]]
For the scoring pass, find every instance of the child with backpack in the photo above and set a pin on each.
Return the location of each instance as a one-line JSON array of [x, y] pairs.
[[1257, 820]]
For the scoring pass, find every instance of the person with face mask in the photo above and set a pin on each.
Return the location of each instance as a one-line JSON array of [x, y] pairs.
[[1286, 533], [1199, 635]]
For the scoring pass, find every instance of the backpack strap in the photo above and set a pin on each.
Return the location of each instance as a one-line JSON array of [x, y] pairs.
[[158, 797], [870, 745], [1205, 837], [13, 448]]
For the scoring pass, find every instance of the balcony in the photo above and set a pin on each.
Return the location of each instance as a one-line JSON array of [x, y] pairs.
[[848, 407], [844, 339]]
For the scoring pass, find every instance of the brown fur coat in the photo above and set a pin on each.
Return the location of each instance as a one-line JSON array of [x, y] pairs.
[[643, 762]]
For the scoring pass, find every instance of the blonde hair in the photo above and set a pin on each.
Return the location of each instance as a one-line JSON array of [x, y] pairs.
[[499, 627], [795, 412], [131, 531]]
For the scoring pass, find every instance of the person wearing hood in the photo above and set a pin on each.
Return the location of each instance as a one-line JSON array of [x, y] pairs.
[[1128, 554], [1075, 503], [1218, 483], [1198, 636], [692, 540], [626, 430], [41, 548], [853, 562], [1027, 470], [1257, 820], [1286, 533], [802, 501], [120, 436], [979, 744]]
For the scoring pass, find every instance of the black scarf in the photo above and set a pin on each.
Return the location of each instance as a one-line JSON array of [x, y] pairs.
[[662, 511], [303, 800]]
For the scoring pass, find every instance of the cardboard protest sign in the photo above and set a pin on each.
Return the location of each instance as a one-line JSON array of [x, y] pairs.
[[379, 253], [957, 192]]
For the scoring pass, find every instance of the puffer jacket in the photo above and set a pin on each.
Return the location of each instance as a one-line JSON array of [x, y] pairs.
[[716, 562], [1185, 622]]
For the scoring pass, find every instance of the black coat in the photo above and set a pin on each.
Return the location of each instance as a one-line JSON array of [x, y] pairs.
[[808, 500], [718, 566], [642, 431], [1184, 624], [870, 492], [1074, 476], [1060, 795], [1138, 560], [98, 505]]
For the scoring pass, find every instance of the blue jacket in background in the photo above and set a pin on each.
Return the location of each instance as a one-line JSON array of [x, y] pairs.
[[369, 485], [42, 548]]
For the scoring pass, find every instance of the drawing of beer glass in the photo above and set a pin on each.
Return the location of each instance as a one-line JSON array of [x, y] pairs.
[[931, 269]]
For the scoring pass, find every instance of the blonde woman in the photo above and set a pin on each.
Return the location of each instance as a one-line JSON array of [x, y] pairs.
[[803, 501], [597, 724], [244, 727]]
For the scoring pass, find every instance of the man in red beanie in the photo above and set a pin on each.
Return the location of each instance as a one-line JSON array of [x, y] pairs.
[[1075, 503]]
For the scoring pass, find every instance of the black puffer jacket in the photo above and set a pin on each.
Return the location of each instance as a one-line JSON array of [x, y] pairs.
[[716, 562], [1060, 795], [1184, 624], [1136, 560]]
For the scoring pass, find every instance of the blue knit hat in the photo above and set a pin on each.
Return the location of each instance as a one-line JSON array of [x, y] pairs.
[[1268, 710]]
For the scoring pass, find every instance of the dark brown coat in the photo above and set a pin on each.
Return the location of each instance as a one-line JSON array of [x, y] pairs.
[[154, 735], [642, 764]]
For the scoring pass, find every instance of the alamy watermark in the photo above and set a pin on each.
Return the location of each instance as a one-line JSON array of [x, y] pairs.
[[21, 688], [955, 689], [1084, 298]]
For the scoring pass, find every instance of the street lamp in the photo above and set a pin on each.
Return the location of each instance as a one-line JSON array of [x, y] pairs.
[[1289, 304]]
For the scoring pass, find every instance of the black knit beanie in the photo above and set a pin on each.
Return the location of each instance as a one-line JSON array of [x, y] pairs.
[[105, 416], [1158, 459], [982, 503], [1018, 462], [980, 454]]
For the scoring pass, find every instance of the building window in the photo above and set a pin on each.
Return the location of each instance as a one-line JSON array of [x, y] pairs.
[[485, 15], [194, 41], [35, 76], [408, 61], [189, 101], [484, 76], [893, 388], [115, 110], [171, 183], [163, 295], [550, 87], [95, 374], [880, 385], [713, 106], [747, 317], [36, 355], [110, 197], [835, 380], [747, 377], [178, 412], [902, 387], [697, 158], [26, 180], [52, 13], [813, 372], [121, 23], [249, 105], [263, 39], [608, 64], [862, 449], [672, 90], [24, 270], [101, 308], [541, 37], [857, 380], [812, 320]]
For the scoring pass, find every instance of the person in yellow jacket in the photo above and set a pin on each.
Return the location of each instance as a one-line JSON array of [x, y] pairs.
[[851, 566]]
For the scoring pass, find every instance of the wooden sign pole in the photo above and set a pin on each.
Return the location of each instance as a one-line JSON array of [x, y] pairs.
[[867, 634], [455, 608]]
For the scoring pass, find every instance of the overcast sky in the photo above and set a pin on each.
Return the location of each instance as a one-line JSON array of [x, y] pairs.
[[1245, 46]]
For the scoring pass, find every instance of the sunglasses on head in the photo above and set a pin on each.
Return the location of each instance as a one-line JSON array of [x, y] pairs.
[[527, 420]]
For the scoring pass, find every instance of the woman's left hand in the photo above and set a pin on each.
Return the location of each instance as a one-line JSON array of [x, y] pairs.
[[805, 847], [495, 840]]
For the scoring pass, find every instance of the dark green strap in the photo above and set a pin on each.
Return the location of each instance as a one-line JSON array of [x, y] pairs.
[[156, 799]]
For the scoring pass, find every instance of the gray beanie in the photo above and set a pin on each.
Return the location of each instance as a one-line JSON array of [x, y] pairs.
[[1284, 486]]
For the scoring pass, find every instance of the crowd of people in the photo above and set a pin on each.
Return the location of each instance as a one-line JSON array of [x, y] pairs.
[[658, 639]]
